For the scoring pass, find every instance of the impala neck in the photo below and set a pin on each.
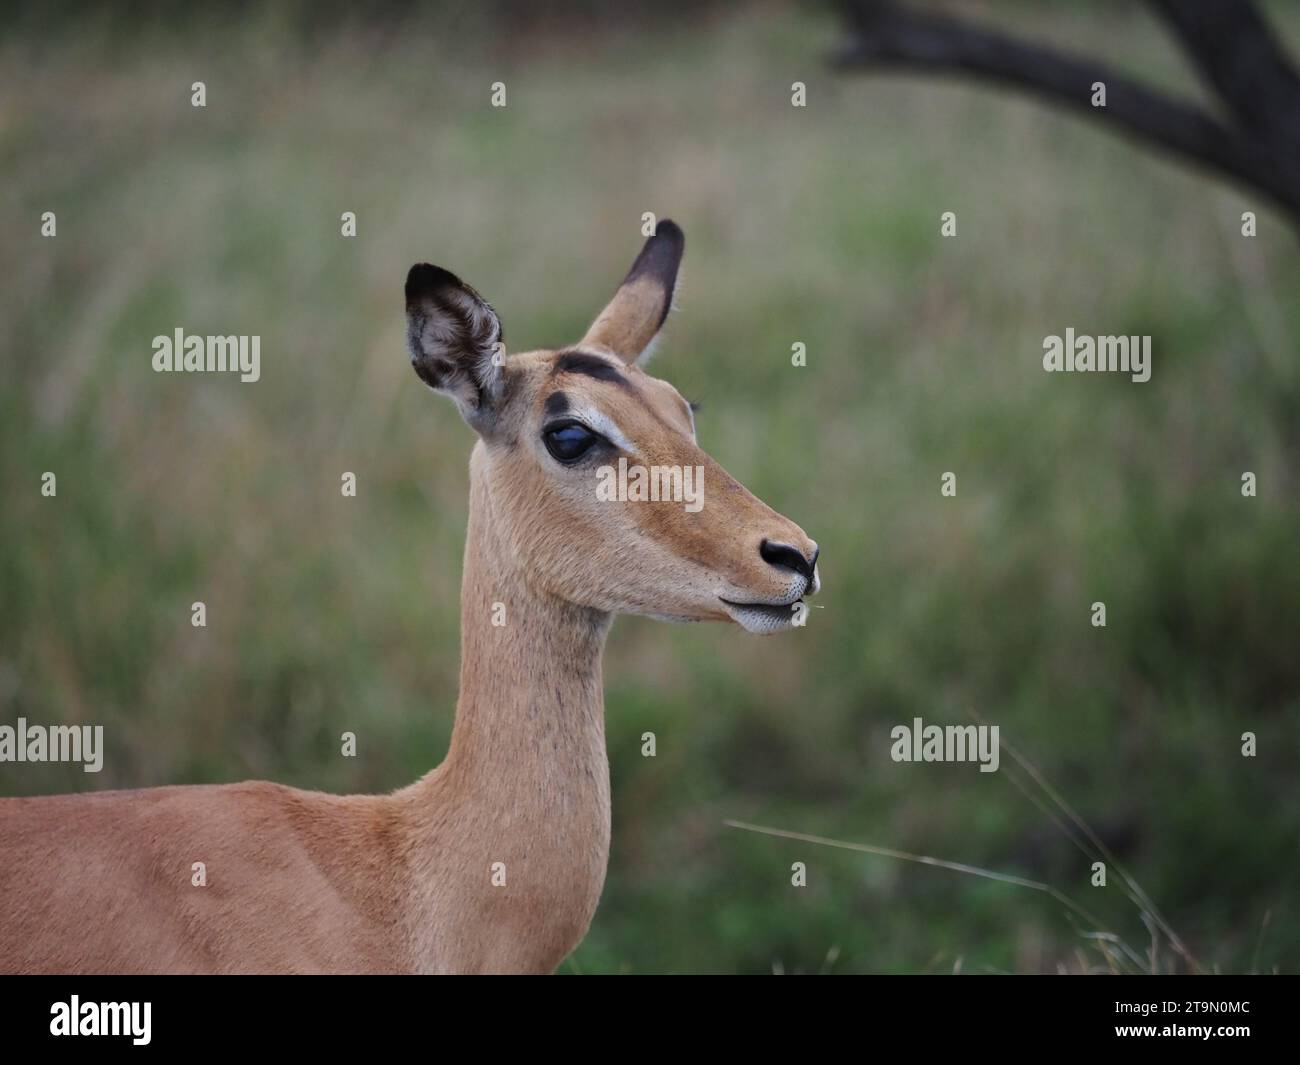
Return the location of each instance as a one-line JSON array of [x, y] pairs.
[[525, 784], [530, 720]]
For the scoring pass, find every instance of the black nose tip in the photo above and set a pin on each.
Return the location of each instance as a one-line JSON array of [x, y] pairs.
[[784, 556]]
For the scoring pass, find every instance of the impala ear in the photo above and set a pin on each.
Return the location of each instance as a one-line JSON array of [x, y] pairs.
[[454, 338], [632, 318]]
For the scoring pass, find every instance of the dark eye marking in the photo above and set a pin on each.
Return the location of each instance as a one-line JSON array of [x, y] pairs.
[[693, 405], [556, 404], [590, 366]]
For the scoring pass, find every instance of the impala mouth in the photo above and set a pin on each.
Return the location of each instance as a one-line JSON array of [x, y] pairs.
[[763, 617]]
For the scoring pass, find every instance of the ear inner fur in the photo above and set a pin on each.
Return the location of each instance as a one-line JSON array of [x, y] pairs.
[[452, 335]]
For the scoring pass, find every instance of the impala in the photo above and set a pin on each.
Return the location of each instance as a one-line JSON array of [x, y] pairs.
[[495, 860]]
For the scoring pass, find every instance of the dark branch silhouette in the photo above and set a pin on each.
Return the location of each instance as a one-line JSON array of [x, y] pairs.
[[1257, 144]]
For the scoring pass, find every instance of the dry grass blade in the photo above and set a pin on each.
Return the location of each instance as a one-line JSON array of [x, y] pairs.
[[1139, 896], [923, 859]]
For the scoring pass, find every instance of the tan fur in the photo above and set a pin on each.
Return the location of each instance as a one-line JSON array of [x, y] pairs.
[[631, 320], [306, 882]]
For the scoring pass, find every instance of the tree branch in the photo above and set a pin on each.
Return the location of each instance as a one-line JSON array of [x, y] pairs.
[[887, 35], [1236, 53]]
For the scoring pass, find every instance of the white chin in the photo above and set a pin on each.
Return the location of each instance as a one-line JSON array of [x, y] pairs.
[[762, 619]]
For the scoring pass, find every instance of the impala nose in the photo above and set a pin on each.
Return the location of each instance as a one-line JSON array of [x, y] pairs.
[[786, 556]]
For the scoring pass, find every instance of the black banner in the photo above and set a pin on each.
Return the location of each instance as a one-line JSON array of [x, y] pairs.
[[1223, 1015]]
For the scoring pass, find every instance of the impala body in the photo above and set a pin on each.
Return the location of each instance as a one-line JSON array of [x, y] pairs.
[[495, 860]]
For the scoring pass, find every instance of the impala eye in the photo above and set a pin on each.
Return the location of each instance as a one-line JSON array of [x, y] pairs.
[[569, 441]]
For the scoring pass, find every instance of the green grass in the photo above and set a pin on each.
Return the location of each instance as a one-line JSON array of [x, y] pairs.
[[818, 225]]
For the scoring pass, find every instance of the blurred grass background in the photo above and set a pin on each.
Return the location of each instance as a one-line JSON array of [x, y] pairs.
[[818, 225]]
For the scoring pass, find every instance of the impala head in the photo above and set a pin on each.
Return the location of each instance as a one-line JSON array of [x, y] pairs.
[[666, 532]]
